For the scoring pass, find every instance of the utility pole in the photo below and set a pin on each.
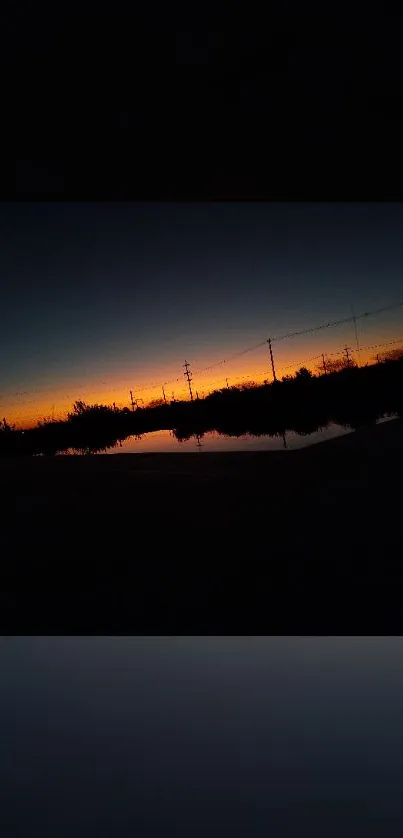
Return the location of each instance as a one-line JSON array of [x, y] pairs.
[[356, 334], [347, 351], [134, 401], [324, 364], [227, 383], [114, 407], [272, 360], [188, 375], [163, 393]]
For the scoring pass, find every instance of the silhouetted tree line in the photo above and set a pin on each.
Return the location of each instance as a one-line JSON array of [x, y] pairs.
[[303, 403]]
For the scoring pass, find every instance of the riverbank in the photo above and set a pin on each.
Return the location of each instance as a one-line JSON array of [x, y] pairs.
[[298, 541], [301, 404]]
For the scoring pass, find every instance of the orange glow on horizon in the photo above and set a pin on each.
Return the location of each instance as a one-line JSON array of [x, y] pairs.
[[27, 407]]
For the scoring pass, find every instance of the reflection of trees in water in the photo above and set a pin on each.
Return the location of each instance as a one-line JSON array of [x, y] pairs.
[[105, 445], [93, 449], [303, 428], [302, 404], [185, 434]]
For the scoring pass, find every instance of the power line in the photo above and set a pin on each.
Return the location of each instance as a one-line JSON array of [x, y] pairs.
[[235, 355], [300, 332], [348, 359], [340, 322], [294, 364], [356, 332], [188, 375], [272, 361], [385, 343], [307, 331], [372, 346], [231, 357], [134, 400]]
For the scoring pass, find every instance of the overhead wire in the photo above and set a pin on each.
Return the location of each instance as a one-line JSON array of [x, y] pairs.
[[175, 380]]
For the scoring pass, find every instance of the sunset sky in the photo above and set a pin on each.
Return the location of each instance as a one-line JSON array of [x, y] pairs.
[[97, 299]]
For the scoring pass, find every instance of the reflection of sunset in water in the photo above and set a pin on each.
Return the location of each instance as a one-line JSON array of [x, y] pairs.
[[161, 442], [26, 408], [100, 299]]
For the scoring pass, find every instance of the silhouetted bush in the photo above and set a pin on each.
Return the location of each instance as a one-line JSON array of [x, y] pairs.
[[303, 373], [304, 403]]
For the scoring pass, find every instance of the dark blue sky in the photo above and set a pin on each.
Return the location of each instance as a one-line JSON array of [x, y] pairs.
[[106, 291]]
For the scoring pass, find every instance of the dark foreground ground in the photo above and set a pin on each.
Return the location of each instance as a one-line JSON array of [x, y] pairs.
[[298, 542]]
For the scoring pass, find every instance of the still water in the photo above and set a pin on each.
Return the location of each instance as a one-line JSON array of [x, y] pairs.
[[193, 736], [165, 441]]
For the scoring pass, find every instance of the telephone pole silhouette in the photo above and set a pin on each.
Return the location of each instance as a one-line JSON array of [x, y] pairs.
[[356, 335], [163, 393], [347, 350], [272, 361], [188, 375], [324, 364], [134, 401]]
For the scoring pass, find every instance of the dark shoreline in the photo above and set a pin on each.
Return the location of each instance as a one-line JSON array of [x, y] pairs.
[[308, 540], [351, 439], [353, 397]]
